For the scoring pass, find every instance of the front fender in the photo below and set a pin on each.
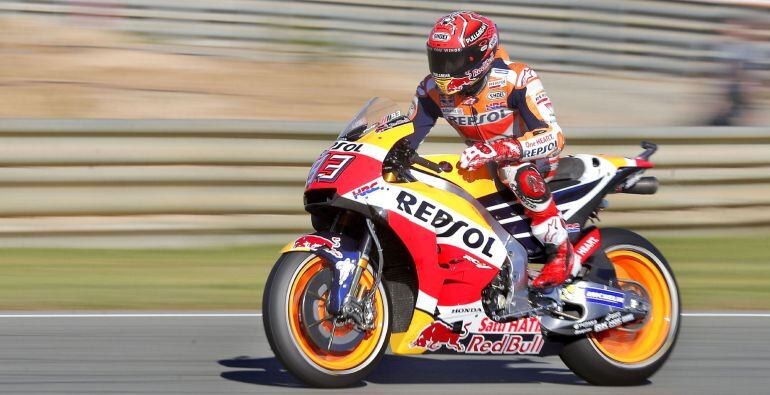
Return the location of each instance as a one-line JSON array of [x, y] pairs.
[[341, 252]]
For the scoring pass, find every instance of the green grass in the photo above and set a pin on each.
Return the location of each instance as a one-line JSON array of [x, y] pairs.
[[720, 273], [55, 279], [713, 273]]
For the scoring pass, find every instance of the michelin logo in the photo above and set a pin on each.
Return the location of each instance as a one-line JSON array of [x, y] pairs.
[[605, 297]]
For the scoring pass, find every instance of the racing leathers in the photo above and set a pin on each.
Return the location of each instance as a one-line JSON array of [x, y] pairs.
[[509, 119]]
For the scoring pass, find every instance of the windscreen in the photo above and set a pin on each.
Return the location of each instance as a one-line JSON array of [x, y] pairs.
[[378, 113]]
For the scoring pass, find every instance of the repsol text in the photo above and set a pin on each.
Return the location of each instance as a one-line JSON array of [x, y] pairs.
[[428, 213]]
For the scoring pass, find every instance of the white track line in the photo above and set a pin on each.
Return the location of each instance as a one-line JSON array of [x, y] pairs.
[[238, 315]]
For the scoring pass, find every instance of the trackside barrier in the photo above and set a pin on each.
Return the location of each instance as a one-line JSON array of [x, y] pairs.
[[85, 182], [630, 36]]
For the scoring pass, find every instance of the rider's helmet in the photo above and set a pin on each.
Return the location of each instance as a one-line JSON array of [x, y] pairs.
[[461, 48]]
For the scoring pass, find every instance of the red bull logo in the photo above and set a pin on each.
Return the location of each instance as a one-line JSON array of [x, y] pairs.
[[439, 334], [313, 242]]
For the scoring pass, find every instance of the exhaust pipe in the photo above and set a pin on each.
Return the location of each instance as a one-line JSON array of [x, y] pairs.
[[645, 186]]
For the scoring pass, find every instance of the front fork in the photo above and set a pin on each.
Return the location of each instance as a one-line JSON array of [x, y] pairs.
[[364, 247], [348, 298]]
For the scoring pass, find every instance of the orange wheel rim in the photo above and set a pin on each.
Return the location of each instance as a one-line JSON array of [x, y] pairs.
[[336, 361], [637, 346]]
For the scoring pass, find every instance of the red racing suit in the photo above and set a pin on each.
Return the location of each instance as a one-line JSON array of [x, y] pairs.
[[512, 103]]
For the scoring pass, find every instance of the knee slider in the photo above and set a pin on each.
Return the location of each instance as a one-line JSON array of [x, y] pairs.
[[530, 185]]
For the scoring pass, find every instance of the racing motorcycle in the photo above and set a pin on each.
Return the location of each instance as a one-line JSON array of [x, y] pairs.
[[411, 252]]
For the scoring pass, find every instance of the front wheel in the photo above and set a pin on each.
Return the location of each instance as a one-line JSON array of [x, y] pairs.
[[630, 354], [311, 344]]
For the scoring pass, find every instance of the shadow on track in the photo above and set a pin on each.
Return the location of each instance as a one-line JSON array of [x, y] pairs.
[[414, 370]]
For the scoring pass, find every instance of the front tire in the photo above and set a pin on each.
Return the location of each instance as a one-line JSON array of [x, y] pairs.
[[630, 354], [308, 343]]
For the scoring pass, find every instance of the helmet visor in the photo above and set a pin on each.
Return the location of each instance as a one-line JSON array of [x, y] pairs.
[[453, 62]]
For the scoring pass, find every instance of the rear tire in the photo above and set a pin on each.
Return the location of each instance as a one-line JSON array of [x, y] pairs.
[[292, 336], [629, 356]]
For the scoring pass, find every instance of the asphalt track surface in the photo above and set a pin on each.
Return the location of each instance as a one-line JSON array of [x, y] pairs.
[[229, 354]]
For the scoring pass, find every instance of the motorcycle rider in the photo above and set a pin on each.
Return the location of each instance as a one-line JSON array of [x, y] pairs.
[[503, 111]]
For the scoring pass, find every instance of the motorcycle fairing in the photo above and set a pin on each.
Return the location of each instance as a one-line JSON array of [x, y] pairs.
[[449, 240], [450, 264]]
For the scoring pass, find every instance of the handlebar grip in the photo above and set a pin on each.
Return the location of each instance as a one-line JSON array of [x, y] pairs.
[[437, 167], [417, 159]]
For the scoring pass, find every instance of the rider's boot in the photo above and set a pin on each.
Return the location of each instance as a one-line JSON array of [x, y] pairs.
[[561, 263]]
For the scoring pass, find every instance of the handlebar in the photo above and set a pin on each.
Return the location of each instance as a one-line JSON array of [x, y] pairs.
[[441, 167]]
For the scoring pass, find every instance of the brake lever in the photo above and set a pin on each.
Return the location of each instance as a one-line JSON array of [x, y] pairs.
[[441, 167]]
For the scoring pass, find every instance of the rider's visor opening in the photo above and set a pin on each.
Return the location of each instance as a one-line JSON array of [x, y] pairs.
[[453, 62]]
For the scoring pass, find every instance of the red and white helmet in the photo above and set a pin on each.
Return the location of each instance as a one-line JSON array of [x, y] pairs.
[[461, 48]]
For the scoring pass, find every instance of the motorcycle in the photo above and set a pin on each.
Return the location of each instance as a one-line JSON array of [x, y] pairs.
[[411, 252]]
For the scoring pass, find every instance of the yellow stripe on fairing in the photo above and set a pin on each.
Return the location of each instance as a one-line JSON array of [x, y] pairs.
[[618, 161], [387, 139], [477, 183], [401, 343]]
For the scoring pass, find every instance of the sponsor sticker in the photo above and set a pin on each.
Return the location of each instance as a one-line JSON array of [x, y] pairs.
[[495, 106], [366, 189], [314, 242], [493, 40], [478, 33], [507, 344], [481, 69], [587, 246], [390, 117], [392, 124], [573, 228], [520, 326], [452, 111], [536, 142], [496, 83], [479, 264], [465, 310], [481, 119], [613, 320], [439, 334], [438, 36], [496, 95], [604, 297], [446, 225], [345, 267], [541, 150]]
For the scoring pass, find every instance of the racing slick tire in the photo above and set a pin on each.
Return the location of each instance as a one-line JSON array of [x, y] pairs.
[[630, 354], [299, 329]]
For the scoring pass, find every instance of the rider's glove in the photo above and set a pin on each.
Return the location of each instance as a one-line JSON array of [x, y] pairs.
[[479, 154]]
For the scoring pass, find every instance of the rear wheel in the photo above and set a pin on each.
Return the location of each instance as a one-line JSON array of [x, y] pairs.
[[311, 344], [630, 354]]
